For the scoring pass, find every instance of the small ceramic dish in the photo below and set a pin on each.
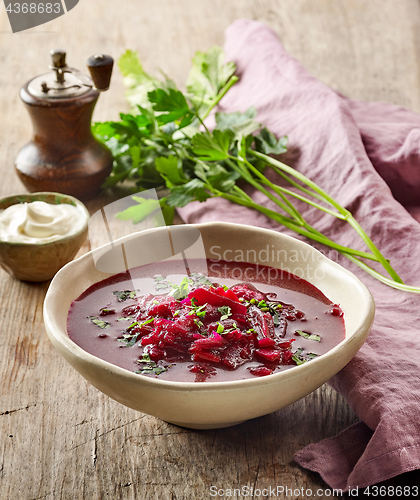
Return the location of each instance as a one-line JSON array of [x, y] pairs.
[[40, 261], [212, 404]]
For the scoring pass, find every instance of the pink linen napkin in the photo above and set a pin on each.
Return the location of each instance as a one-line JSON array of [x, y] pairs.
[[338, 143]]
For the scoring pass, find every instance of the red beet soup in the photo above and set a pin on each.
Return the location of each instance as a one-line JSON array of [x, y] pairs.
[[239, 321]]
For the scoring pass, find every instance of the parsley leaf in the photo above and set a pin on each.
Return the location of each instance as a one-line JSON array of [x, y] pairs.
[[99, 322], [172, 105], [225, 311], [151, 367], [209, 74], [241, 124], [297, 357], [309, 336], [267, 143], [197, 280], [212, 147], [131, 338], [161, 283], [126, 294], [182, 195], [180, 291], [139, 212]]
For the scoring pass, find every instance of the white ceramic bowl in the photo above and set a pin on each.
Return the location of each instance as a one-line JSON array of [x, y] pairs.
[[214, 404]]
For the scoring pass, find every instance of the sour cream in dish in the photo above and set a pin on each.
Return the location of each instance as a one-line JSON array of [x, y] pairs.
[[40, 222]]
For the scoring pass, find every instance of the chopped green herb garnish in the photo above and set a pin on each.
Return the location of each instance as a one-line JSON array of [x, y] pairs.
[[161, 283], [220, 328], [151, 366], [300, 360], [99, 322], [157, 370], [180, 291], [197, 310], [312, 355], [106, 310], [145, 358], [297, 358], [125, 318], [198, 280], [276, 320], [131, 338], [126, 294], [225, 311], [309, 336]]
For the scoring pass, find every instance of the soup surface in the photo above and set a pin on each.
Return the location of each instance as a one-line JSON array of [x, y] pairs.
[[238, 321]]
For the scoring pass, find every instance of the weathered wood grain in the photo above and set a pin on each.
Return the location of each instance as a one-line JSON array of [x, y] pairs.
[[60, 437]]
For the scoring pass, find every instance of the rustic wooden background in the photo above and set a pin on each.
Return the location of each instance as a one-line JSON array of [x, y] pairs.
[[60, 437]]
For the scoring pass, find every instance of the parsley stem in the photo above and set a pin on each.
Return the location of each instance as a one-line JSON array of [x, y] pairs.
[[292, 209], [220, 95], [244, 172], [384, 279], [347, 215], [285, 221]]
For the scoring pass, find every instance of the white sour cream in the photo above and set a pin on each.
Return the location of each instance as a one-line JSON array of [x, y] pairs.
[[39, 222]]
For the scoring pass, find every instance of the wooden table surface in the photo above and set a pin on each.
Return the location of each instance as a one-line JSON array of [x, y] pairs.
[[60, 437]]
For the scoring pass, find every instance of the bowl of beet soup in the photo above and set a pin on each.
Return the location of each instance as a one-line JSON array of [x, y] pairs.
[[209, 325]]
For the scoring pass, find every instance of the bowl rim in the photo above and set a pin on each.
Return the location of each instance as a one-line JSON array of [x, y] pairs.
[[33, 197], [275, 378]]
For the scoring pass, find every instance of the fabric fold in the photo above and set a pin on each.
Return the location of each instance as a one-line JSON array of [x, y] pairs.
[[358, 152]]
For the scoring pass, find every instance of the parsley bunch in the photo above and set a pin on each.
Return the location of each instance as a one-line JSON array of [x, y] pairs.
[[164, 141]]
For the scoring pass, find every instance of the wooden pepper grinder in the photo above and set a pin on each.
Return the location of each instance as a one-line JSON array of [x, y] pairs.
[[63, 155]]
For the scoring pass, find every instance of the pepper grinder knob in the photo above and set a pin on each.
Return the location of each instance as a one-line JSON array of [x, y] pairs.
[[100, 68], [58, 58]]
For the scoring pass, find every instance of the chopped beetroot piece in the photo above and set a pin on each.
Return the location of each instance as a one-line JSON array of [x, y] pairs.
[[235, 355], [152, 338], [161, 306], [160, 323], [269, 322], [206, 356], [186, 322], [260, 371], [203, 371], [207, 296], [286, 344], [140, 331], [287, 357], [257, 321], [248, 292], [268, 354], [336, 310], [131, 310], [233, 336], [240, 319], [266, 342], [156, 353], [230, 294], [212, 342]]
